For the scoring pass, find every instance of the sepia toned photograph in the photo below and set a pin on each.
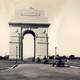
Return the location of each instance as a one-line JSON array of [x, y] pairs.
[[39, 39]]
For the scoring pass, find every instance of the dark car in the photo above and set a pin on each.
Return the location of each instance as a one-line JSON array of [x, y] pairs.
[[58, 62]]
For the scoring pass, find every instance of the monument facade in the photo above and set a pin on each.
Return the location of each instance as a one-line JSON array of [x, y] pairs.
[[29, 21]]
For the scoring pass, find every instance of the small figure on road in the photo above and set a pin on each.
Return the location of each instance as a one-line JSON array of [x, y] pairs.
[[38, 60], [45, 60]]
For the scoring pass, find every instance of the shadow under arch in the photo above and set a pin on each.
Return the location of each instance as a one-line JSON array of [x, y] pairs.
[[31, 32]]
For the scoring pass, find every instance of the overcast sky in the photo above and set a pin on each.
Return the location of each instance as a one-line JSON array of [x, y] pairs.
[[64, 16]]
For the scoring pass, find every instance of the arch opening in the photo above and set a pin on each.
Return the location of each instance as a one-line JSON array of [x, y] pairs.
[[28, 44]]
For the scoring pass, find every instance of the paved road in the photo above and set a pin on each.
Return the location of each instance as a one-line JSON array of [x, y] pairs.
[[40, 72]]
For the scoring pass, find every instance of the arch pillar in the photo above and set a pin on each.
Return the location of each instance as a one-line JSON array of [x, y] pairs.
[[34, 48]]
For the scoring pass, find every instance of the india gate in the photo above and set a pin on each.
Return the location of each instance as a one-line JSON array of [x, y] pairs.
[[28, 21]]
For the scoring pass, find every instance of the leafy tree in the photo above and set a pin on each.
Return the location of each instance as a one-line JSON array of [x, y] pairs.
[[72, 57]]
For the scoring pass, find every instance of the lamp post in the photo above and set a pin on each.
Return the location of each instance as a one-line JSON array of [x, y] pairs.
[[18, 43], [55, 51], [16, 54], [47, 44], [19, 46]]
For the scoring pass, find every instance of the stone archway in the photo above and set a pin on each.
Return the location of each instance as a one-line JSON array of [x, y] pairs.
[[29, 21], [33, 34]]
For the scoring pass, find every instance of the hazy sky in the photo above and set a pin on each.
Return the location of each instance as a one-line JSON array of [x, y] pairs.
[[64, 16]]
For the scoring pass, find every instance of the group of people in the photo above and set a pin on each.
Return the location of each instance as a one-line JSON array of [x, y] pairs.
[[56, 61], [38, 60]]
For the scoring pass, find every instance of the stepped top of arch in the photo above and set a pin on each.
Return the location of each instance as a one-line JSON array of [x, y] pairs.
[[29, 16]]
